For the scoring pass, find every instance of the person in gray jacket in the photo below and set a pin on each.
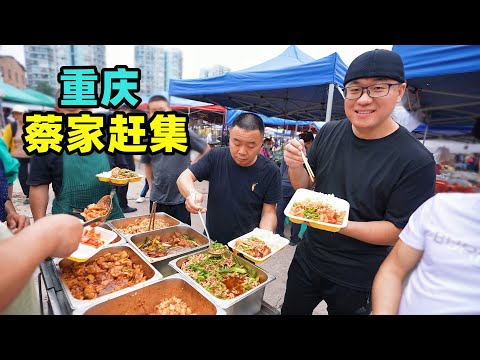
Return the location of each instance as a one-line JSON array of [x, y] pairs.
[[162, 170]]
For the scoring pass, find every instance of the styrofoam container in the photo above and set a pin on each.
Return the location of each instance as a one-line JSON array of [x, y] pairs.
[[274, 241], [107, 177], [305, 194], [85, 252]]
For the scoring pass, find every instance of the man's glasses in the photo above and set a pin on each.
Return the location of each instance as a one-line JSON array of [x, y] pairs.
[[374, 91]]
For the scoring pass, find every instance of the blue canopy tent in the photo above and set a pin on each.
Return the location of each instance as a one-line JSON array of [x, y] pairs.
[[273, 121], [458, 132], [305, 91], [292, 56], [443, 82]]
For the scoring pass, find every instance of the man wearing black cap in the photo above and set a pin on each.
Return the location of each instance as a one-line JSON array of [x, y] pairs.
[[375, 164]]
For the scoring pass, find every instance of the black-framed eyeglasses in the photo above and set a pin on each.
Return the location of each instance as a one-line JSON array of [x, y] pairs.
[[374, 91]]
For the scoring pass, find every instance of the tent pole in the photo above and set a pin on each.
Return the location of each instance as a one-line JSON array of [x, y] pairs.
[[328, 115], [425, 133]]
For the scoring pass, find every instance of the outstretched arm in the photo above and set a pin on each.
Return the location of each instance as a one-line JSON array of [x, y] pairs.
[[193, 199], [388, 284], [269, 217], [38, 200], [56, 236], [373, 232]]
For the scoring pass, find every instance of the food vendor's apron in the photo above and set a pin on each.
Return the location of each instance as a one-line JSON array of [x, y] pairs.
[[81, 187]]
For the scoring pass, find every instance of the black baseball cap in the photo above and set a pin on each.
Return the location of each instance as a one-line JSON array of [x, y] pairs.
[[376, 63]]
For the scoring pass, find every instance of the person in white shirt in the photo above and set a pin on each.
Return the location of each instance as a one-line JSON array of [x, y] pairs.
[[440, 246], [209, 137]]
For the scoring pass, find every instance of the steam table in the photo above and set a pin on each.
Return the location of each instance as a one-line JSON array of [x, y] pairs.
[[58, 303]]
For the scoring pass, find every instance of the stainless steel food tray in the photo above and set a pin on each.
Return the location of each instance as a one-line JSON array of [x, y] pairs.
[[161, 263], [142, 301], [150, 272], [118, 224], [248, 303]]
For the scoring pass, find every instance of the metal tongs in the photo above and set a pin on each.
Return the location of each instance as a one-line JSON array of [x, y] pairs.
[[105, 200], [211, 250]]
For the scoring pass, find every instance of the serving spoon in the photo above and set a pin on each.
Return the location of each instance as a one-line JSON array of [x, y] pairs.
[[105, 201]]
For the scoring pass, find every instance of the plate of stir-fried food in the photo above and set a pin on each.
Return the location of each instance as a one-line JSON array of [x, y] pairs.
[[318, 210], [160, 246], [93, 240], [258, 245], [223, 276], [119, 176]]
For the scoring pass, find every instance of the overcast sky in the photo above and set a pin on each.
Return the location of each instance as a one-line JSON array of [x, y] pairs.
[[236, 57]]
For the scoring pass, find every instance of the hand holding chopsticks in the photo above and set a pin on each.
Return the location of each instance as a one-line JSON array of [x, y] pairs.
[[307, 166]]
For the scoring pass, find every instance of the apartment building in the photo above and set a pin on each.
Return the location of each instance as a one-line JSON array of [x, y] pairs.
[[215, 70], [12, 72], [158, 65], [43, 62]]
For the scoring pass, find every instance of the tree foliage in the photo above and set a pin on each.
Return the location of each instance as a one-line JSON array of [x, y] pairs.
[[45, 88]]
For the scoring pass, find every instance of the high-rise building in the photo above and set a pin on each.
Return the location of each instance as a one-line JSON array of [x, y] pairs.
[[215, 70], [151, 61], [173, 66], [41, 65], [43, 62], [158, 65]]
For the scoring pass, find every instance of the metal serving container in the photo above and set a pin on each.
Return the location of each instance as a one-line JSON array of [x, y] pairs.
[[248, 303], [142, 301], [161, 264], [118, 224], [150, 272]]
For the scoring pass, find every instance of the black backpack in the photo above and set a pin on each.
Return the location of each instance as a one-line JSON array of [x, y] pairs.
[[14, 126]]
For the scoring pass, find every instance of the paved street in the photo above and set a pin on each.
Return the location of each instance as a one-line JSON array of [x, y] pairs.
[[277, 265]]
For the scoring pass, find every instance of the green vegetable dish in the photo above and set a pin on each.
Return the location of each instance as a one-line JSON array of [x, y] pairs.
[[223, 276]]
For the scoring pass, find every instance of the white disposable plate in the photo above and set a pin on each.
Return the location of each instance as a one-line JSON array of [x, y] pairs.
[[274, 241], [85, 252]]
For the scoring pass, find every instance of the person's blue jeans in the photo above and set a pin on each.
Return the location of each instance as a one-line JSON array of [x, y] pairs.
[[295, 228], [145, 189]]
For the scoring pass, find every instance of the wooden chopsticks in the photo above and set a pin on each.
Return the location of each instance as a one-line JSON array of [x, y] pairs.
[[151, 224], [307, 166]]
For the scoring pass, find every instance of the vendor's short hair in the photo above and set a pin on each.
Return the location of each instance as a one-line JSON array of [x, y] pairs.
[[306, 136], [249, 121], [158, 98]]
